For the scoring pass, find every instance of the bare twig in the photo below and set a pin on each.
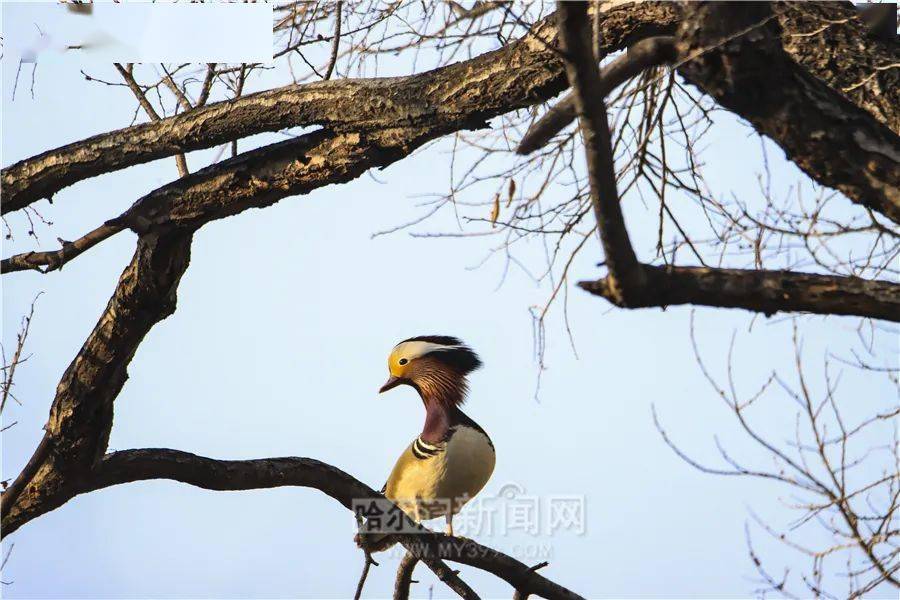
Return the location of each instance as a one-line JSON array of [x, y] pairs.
[[335, 43], [9, 368], [856, 516], [207, 84], [126, 73], [365, 573], [52, 260], [641, 56]]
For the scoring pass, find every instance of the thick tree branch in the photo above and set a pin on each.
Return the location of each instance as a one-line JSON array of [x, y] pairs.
[[429, 547], [839, 53], [634, 285], [263, 176], [832, 140], [824, 82], [520, 74], [81, 415], [158, 463], [767, 292], [834, 42], [827, 38], [404, 576], [625, 276], [254, 179]]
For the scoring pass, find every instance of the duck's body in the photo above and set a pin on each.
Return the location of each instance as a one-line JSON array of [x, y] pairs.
[[453, 458], [438, 473]]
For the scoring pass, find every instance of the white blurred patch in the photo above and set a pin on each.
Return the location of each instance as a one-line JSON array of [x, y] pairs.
[[139, 32]]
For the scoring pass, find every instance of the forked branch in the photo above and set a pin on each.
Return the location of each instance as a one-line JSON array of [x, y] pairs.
[[631, 284], [429, 547], [641, 56], [625, 276]]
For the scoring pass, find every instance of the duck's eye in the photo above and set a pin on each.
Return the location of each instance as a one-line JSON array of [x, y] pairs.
[[403, 361]]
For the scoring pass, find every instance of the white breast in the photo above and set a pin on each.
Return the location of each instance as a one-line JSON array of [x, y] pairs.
[[470, 461]]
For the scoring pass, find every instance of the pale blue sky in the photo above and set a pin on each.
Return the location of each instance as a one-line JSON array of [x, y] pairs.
[[284, 322]]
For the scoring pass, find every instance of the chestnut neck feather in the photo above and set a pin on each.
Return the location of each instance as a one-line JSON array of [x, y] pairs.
[[442, 391]]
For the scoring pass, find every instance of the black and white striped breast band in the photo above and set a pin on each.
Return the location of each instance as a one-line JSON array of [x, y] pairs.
[[422, 449]]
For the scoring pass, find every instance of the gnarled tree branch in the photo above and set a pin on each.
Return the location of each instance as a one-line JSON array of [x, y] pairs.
[[805, 85], [754, 77], [520, 74], [81, 415], [625, 276], [155, 463], [767, 292], [634, 285]]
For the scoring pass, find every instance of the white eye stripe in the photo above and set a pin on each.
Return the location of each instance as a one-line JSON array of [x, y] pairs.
[[413, 350]]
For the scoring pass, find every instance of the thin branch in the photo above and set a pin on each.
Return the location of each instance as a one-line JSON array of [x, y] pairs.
[[365, 573], [183, 102], [207, 84], [642, 55], [9, 369], [336, 41], [52, 260], [180, 161]]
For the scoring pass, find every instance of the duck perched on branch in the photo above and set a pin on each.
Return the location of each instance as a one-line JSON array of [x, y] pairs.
[[453, 458]]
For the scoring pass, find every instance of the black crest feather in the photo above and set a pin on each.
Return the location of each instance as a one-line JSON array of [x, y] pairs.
[[443, 340], [461, 358]]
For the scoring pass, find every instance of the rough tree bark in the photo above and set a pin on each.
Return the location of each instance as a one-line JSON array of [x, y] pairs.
[[631, 284], [797, 75], [81, 415], [257, 178], [834, 141], [762, 291], [69, 461], [466, 94], [838, 91]]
